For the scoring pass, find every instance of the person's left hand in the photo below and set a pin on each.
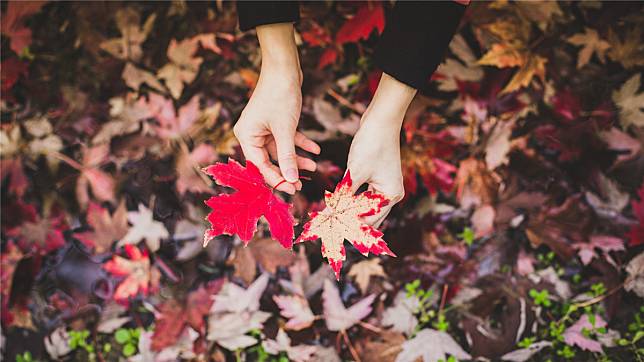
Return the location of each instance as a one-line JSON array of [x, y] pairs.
[[374, 159]]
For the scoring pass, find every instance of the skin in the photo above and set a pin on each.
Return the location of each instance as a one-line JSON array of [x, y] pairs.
[[267, 127]]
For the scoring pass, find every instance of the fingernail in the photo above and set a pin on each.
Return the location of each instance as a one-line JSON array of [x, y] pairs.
[[291, 175]]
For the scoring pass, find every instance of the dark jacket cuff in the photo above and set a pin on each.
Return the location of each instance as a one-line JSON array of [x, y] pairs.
[[255, 13]]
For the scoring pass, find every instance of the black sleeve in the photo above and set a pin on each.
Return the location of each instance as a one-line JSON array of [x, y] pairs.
[[415, 39], [254, 13]]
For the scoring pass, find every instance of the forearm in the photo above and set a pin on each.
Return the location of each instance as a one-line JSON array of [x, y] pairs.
[[279, 51], [389, 104]]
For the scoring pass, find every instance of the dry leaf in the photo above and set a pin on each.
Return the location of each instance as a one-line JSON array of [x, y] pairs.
[[144, 227], [364, 270], [591, 44], [336, 315]]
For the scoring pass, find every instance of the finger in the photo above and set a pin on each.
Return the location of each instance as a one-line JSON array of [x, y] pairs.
[[306, 143], [303, 163], [271, 173], [286, 156]]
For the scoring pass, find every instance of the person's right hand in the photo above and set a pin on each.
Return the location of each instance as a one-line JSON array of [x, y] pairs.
[[267, 127]]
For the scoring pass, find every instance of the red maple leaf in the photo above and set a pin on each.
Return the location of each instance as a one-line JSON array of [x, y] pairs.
[[341, 219], [139, 275], [239, 212], [175, 316], [636, 234], [370, 16]]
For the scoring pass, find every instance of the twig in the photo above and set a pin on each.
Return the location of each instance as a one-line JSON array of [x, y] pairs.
[[443, 298], [343, 101], [354, 353]]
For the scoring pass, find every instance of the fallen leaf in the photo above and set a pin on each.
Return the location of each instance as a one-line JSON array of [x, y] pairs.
[[139, 275], [229, 329], [234, 299], [238, 213], [144, 227], [134, 77], [133, 35], [172, 126], [401, 316], [13, 23], [296, 309], [57, 343], [282, 343], [188, 169], [635, 280], [629, 101], [364, 270], [574, 336], [432, 346], [341, 219], [591, 44], [605, 243], [336, 315], [107, 228], [369, 16]]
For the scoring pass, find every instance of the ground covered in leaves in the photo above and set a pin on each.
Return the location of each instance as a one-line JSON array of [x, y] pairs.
[[520, 236]]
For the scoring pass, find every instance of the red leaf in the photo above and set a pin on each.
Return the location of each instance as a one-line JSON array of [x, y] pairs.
[[238, 213], [329, 56], [13, 23], [341, 219], [370, 16]]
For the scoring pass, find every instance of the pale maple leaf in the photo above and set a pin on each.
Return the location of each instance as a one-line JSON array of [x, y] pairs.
[[144, 227], [630, 102], [574, 334], [133, 35], [342, 219], [92, 177], [134, 77], [303, 282], [635, 280], [592, 44], [336, 315], [282, 343], [605, 243], [233, 298], [139, 275], [229, 329], [432, 346], [364, 270], [57, 343], [184, 66], [296, 309], [107, 228], [401, 316], [235, 312]]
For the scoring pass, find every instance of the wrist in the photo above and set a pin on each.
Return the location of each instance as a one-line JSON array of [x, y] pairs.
[[389, 103], [279, 52]]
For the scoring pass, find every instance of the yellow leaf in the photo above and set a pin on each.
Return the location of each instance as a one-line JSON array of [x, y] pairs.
[[591, 44], [536, 66], [504, 56], [630, 52]]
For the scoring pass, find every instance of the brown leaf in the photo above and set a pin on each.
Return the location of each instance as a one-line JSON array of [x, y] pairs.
[[107, 228]]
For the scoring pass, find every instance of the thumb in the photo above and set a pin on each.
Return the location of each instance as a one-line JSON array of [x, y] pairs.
[[286, 156]]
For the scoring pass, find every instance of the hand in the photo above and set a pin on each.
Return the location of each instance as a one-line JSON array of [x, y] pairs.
[[266, 129], [374, 157]]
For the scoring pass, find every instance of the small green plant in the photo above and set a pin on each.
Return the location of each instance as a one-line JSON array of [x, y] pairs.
[[540, 297], [467, 235], [526, 342], [25, 357], [78, 340], [129, 338]]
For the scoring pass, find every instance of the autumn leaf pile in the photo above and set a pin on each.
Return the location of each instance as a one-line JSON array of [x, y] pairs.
[[519, 238]]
